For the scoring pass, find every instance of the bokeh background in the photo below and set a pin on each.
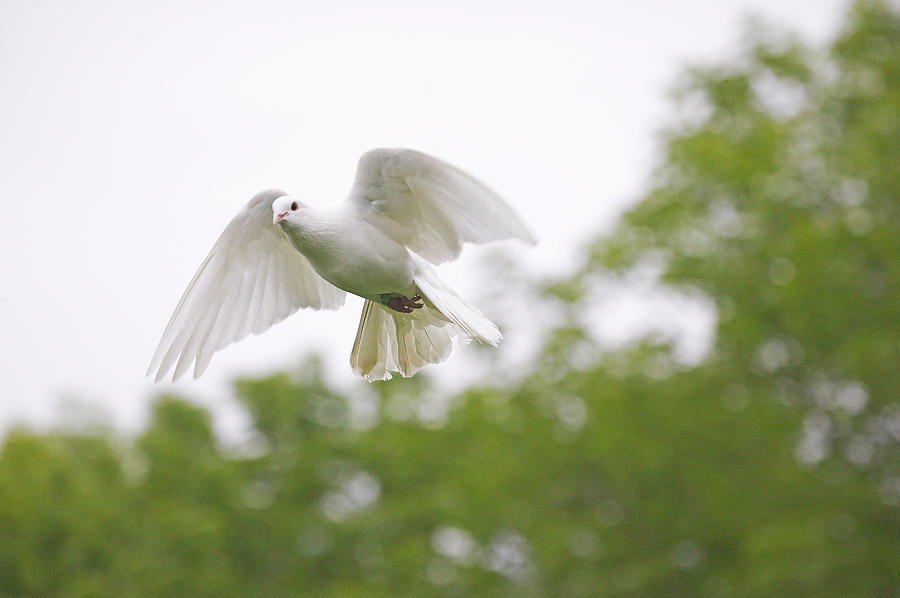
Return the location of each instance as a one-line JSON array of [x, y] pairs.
[[131, 133], [697, 394]]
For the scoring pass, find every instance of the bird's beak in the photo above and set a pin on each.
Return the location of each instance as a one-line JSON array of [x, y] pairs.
[[279, 217]]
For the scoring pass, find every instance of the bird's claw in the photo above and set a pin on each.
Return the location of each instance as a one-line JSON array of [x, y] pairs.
[[403, 304]]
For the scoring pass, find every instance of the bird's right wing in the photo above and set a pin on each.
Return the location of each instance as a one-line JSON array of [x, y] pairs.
[[430, 206], [252, 278]]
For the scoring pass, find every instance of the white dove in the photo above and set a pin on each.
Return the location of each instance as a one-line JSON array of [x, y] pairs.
[[405, 211]]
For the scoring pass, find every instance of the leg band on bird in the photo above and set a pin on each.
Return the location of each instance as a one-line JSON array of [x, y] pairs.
[[401, 303]]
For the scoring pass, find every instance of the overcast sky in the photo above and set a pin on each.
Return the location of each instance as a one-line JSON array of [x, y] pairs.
[[131, 132]]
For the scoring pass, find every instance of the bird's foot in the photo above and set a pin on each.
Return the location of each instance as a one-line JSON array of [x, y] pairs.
[[401, 303]]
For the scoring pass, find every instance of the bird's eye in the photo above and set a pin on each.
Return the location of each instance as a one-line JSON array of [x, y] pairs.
[[294, 207]]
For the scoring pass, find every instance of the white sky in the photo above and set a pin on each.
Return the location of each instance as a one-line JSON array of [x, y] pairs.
[[131, 132]]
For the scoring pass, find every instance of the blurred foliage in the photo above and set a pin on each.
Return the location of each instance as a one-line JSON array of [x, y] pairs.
[[769, 469], [778, 198]]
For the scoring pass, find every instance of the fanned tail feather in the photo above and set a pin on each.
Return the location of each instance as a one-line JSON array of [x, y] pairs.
[[389, 341]]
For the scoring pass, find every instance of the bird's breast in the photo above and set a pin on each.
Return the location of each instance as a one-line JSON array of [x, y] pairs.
[[362, 261]]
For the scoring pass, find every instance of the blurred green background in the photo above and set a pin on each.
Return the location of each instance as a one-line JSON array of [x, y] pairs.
[[770, 468]]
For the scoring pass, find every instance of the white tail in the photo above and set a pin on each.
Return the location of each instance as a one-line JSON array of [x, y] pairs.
[[389, 341]]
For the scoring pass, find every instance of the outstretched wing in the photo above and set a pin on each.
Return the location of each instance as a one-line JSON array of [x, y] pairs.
[[430, 206], [252, 278]]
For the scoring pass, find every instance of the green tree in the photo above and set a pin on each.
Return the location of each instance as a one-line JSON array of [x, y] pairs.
[[781, 203], [62, 515]]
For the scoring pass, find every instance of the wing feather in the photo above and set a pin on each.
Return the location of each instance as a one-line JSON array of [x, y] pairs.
[[252, 279], [429, 205]]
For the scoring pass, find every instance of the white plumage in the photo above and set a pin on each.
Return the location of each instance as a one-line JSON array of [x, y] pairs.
[[405, 211]]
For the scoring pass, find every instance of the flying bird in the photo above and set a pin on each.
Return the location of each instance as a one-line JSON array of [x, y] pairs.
[[406, 212]]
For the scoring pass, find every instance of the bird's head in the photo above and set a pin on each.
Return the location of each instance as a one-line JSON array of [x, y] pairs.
[[285, 208]]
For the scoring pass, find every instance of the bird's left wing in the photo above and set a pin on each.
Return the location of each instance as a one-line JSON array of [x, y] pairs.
[[250, 280]]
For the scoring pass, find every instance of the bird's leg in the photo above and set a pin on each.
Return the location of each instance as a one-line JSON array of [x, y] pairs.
[[401, 303]]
